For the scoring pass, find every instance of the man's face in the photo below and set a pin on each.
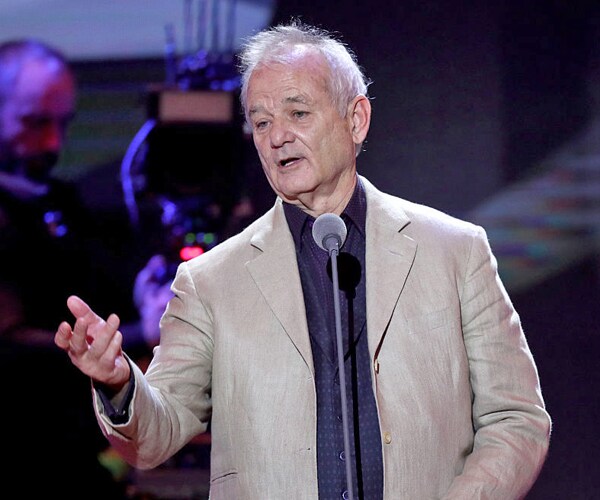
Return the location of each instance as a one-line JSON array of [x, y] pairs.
[[34, 119], [306, 148]]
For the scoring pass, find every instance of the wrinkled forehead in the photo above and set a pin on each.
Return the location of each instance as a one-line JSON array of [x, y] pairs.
[[303, 70]]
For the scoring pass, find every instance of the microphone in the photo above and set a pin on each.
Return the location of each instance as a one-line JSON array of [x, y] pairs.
[[329, 232]]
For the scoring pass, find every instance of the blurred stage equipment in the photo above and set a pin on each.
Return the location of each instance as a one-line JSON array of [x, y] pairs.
[[181, 172], [182, 177]]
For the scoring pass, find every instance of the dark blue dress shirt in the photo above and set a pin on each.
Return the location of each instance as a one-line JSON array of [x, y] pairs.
[[315, 274]]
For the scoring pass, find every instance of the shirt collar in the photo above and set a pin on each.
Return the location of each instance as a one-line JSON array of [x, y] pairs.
[[355, 213]]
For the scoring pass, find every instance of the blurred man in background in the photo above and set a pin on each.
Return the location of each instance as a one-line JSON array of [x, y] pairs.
[[45, 240]]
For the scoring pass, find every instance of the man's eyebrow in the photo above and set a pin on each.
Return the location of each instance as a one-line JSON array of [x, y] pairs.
[[255, 109], [296, 99]]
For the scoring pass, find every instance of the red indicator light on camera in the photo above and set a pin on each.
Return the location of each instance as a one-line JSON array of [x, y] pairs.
[[187, 253]]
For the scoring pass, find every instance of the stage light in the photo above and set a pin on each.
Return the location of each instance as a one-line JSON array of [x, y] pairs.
[[187, 253]]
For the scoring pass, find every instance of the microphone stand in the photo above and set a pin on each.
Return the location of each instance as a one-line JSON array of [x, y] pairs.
[[333, 253]]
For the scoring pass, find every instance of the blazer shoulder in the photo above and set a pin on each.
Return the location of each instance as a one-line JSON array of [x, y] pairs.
[[434, 219], [417, 218]]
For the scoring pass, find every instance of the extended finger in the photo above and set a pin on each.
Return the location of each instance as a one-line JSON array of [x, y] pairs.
[[63, 335], [104, 335], [79, 308], [78, 343], [113, 350]]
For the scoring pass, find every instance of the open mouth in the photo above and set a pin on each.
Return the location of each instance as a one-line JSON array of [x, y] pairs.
[[286, 162]]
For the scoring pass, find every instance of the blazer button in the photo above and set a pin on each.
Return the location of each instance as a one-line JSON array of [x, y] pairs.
[[387, 437]]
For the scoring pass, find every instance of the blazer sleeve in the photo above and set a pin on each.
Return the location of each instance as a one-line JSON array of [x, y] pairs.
[[171, 402], [512, 426]]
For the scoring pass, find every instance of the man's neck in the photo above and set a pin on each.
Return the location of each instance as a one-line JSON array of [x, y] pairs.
[[316, 204]]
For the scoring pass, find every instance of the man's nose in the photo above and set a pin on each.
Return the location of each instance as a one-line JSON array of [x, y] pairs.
[[280, 133]]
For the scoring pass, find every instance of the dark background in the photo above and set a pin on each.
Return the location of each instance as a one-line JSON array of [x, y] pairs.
[[468, 99]]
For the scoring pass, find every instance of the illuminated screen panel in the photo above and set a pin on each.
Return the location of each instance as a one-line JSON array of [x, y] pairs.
[[101, 29]]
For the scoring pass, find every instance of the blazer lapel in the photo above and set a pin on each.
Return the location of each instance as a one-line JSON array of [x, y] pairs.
[[389, 257], [275, 272]]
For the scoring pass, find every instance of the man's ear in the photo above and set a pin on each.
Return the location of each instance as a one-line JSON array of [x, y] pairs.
[[359, 114]]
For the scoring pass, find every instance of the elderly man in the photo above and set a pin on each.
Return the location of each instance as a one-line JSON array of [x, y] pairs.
[[442, 391]]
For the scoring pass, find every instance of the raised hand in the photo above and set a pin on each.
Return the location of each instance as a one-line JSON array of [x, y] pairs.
[[94, 345]]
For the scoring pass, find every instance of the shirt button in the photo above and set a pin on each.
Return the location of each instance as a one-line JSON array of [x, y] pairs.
[[387, 437], [345, 495], [342, 455]]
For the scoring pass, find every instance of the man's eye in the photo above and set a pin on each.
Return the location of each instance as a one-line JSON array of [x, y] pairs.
[[260, 125], [300, 114]]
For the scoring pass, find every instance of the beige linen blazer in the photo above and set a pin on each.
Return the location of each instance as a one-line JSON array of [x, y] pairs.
[[460, 406]]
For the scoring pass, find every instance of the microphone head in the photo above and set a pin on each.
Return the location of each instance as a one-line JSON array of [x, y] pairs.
[[329, 231]]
